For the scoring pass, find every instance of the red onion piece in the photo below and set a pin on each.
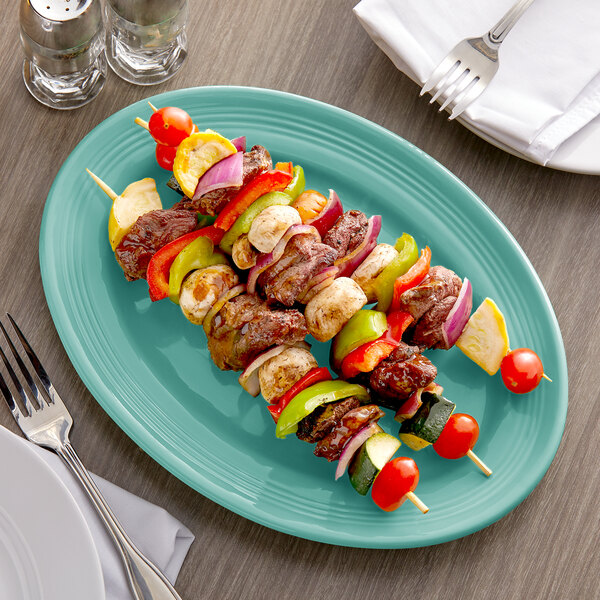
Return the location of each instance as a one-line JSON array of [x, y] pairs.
[[326, 275], [240, 143], [352, 445], [459, 315], [249, 377], [348, 264], [266, 260], [226, 173], [331, 212]]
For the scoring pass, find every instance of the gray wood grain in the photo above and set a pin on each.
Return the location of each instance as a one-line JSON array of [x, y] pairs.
[[545, 548]]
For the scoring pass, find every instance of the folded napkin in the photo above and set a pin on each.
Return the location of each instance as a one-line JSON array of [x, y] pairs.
[[548, 85], [161, 537]]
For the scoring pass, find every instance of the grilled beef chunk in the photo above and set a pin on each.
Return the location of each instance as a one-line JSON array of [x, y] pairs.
[[401, 374], [323, 419], [255, 162], [347, 233], [429, 303], [149, 234], [428, 331], [245, 327], [331, 446], [439, 284], [302, 259]]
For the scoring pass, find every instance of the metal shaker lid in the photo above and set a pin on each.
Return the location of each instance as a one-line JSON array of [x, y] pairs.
[[60, 24]]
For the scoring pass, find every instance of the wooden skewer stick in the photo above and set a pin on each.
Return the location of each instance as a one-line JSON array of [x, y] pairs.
[[417, 502], [546, 377], [152, 106], [142, 123], [103, 186], [479, 462]]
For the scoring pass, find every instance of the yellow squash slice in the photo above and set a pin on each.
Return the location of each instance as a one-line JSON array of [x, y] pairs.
[[485, 339], [196, 154], [137, 199]]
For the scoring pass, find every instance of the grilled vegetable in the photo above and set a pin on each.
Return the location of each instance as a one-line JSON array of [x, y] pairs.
[[370, 459], [269, 226], [312, 397], [244, 221], [202, 288], [198, 254], [408, 253], [333, 307], [243, 254], [280, 373], [364, 326], [367, 272], [430, 419]]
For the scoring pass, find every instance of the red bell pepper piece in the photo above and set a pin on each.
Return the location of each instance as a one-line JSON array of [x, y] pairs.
[[157, 273], [398, 322], [270, 181], [366, 357], [412, 277], [314, 376]]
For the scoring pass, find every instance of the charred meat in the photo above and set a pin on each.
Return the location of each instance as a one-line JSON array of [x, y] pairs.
[[256, 161], [430, 303], [323, 419], [149, 234], [331, 446], [286, 280], [403, 372], [245, 327], [347, 233]]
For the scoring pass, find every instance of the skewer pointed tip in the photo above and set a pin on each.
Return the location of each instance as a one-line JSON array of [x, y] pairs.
[[154, 109], [417, 502]]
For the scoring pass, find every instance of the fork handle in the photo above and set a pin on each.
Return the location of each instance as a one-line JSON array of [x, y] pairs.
[[506, 23], [145, 580]]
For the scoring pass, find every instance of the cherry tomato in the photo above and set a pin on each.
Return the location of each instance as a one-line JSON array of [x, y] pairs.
[[521, 370], [170, 125], [458, 436], [165, 156], [398, 477]]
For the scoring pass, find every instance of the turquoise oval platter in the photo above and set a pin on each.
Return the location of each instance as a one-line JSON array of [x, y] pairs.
[[149, 368]]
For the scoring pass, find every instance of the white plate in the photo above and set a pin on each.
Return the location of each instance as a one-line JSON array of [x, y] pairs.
[[579, 154], [46, 549]]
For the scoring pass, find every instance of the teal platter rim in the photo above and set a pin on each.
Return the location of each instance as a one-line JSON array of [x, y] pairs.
[[148, 367]]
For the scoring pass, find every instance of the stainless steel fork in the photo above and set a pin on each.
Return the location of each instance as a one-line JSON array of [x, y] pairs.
[[46, 422], [470, 66]]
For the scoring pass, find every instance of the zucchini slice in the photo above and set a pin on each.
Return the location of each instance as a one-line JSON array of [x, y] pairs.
[[370, 459], [430, 419]]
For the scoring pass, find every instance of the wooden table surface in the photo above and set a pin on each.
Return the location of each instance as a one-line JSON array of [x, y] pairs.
[[547, 546]]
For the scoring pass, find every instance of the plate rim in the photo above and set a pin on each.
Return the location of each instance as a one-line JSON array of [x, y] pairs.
[[174, 464]]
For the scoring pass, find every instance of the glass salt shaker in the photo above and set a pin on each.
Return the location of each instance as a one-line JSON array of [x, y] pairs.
[[146, 40], [63, 41]]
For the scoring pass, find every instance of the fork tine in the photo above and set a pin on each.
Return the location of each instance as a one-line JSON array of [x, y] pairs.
[[461, 86], [449, 81], [37, 365], [469, 97], [24, 370], [439, 72], [8, 396]]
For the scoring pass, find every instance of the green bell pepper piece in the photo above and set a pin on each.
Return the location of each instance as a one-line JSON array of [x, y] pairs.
[[244, 221], [296, 186], [384, 283], [198, 254], [303, 403], [364, 326]]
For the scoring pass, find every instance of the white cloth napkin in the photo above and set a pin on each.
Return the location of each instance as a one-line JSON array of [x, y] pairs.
[[548, 85], [161, 537]]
